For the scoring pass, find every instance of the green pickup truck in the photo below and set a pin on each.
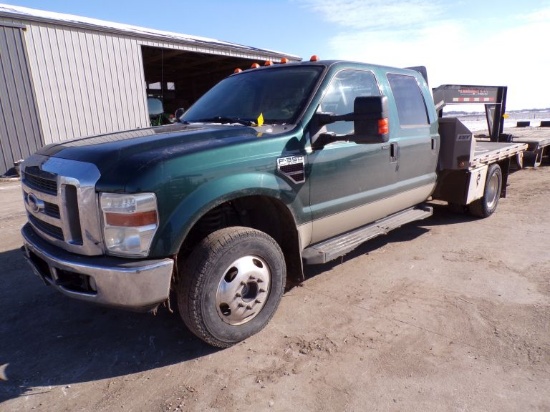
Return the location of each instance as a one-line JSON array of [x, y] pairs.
[[273, 168]]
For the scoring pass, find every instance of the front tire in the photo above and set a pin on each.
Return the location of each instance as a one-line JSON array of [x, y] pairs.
[[231, 285], [486, 206]]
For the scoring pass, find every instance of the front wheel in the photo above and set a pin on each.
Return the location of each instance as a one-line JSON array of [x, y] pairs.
[[485, 206], [231, 285]]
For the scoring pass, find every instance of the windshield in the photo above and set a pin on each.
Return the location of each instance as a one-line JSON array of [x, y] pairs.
[[277, 95]]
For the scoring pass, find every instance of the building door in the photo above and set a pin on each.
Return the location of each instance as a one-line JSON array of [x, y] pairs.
[[20, 133]]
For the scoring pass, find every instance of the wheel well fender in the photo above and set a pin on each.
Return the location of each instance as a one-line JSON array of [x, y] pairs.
[[263, 195], [264, 213]]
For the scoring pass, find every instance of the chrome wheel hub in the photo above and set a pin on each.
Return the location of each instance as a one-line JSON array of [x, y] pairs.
[[492, 191], [243, 290]]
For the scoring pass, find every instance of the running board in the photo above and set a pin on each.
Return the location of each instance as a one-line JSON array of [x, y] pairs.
[[338, 246]]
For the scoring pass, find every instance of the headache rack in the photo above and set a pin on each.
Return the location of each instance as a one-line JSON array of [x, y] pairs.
[[492, 97]]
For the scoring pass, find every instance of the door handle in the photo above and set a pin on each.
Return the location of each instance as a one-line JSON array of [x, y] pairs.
[[394, 152]]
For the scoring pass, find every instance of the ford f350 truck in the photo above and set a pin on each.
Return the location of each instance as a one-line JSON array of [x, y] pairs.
[[273, 168]]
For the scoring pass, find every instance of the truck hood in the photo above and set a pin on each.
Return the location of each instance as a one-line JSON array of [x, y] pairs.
[[162, 140], [123, 156]]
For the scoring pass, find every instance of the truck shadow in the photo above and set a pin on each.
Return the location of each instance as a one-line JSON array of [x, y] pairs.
[[49, 339], [444, 216]]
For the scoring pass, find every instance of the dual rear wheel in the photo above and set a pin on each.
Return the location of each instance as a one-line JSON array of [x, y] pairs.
[[487, 204]]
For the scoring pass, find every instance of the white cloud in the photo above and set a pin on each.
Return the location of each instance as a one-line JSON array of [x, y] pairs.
[[374, 14], [510, 51]]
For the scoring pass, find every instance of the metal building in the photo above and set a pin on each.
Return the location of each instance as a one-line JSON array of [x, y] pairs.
[[64, 76]]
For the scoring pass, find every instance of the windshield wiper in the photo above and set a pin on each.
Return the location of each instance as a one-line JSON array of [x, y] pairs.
[[226, 120]]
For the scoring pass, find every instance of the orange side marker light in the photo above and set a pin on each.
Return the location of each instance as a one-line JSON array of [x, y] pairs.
[[383, 126]]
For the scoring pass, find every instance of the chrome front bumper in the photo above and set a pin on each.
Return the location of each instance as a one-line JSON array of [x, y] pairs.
[[131, 284]]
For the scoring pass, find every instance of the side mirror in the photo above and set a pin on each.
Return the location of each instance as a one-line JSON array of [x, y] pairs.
[[371, 122]]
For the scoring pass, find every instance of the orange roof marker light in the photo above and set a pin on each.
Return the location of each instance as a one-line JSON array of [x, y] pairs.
[[254, 66], [284, 60], [314, 58], [237, 70], [268, 63]]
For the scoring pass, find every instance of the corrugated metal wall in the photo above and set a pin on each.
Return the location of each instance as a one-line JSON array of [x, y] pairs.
[[86, 82], [19, 126]]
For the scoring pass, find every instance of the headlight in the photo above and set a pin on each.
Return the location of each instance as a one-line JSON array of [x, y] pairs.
[[129, 222]]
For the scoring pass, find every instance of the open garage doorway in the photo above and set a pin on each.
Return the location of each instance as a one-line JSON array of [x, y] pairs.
[[178, 77]]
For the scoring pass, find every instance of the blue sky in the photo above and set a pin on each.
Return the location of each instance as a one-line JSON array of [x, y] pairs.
[[461, 41]]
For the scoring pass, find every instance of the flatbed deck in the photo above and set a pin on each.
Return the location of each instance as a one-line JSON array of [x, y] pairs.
[[489, 152], [536, 136], [537, 140]]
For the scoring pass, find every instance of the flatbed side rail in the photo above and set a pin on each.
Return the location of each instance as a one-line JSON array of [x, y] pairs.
[[490, 152]]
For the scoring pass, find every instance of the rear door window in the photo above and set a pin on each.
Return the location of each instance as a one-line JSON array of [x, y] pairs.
[[411, 107]]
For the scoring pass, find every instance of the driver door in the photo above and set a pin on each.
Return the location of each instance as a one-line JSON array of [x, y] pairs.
[[349, 181]]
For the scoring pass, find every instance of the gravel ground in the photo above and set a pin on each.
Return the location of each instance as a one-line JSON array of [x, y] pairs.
[[451, 314]]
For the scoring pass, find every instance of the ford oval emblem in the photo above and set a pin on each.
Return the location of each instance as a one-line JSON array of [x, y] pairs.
[[35, 204]]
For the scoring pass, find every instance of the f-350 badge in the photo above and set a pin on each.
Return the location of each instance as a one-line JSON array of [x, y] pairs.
[[292, 167]]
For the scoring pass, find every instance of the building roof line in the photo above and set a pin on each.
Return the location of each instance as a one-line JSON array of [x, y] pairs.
[[28, 14]]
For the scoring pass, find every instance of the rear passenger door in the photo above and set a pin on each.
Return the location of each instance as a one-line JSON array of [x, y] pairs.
[[416, 138]]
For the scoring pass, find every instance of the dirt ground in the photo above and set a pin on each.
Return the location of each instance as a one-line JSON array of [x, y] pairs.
[[449, 314]]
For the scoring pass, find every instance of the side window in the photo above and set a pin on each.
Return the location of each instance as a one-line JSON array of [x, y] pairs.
[[411, 107], [341, 93]]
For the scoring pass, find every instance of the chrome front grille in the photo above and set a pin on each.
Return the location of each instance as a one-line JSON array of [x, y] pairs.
[[61, 203], [47, 228], [50, 209], [40, 180]]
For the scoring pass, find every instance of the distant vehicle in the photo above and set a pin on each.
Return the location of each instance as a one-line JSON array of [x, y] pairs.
[[157, 116], [273, 168]]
